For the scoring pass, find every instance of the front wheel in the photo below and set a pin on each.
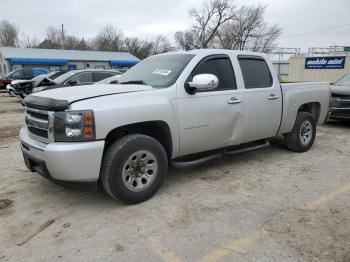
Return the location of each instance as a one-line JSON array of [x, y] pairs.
[[134, 168], [303, 134]]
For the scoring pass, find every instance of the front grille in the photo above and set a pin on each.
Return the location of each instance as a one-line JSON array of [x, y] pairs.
[[340, 96], [37, 122], [345, 104]]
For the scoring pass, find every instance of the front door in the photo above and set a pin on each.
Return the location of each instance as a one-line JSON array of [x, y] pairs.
[[207, 120]]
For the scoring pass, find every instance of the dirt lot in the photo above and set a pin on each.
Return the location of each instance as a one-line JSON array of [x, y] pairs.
[[268, 205]]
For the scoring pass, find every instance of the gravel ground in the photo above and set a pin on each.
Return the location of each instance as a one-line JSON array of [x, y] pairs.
[[267, 205]]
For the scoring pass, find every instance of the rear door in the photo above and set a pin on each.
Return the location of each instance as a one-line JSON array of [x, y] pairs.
[[262, 99], [207, 119]]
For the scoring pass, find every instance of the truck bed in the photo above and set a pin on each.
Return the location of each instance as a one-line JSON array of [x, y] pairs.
[[293, 99]]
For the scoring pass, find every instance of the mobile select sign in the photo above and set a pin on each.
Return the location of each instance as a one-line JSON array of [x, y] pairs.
[[326, 62]]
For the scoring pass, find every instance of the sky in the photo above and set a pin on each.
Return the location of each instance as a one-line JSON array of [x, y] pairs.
[[146, 19]]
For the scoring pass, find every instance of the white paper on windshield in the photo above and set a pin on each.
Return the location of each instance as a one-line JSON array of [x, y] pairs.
[[164, 72]]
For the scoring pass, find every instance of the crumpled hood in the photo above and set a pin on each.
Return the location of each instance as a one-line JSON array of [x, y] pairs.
[[14, 82], [75, 93], [340, 90]]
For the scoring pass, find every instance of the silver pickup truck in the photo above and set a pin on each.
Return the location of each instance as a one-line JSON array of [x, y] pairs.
[[180, 108]]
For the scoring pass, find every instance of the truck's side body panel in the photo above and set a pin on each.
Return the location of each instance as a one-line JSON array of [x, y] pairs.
[[297, 94], [207, 120]]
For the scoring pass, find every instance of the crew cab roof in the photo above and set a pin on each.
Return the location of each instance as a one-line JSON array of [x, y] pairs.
[[217, 51]]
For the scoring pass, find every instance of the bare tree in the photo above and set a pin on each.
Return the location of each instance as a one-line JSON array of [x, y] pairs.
[[109, 39], [209, 19], [137, 47], [27, 42], [8, 34], [265, 41], [56, 40], [53, 39], [248, 30], [185, 39], [160, 45], [220, 24]]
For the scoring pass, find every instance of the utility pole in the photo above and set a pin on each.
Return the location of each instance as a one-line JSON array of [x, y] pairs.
[[62, 36]]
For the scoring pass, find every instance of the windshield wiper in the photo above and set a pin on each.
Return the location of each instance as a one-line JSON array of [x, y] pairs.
[[136, 82]]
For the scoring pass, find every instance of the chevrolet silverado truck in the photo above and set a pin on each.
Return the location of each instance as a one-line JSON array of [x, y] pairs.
[[180, 109]]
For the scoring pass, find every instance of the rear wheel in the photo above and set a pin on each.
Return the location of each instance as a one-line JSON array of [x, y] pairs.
[[134, 167], [302, 137]]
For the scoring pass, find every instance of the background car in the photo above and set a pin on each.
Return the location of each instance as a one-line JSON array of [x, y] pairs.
[[23, 87], [340, 99], [77, 77], [24, 74]]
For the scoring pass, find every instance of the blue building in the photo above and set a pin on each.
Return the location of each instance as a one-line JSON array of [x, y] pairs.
[[12, 58]]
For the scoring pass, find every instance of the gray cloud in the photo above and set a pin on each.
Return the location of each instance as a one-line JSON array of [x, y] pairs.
[[149, 18]]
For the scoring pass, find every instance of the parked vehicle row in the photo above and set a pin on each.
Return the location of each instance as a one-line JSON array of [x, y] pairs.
[[21, 74], [182, 108], [58, 79], [22, 87]]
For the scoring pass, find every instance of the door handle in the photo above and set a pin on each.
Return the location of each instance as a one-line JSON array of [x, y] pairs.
[[234, 100], [272, 97]]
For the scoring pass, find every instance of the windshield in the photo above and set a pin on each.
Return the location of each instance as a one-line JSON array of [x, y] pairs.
[[157, 71], [64, 77], [344, 81]]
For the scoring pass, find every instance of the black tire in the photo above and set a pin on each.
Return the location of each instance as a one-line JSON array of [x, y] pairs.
[[115, 159], [293, 140]]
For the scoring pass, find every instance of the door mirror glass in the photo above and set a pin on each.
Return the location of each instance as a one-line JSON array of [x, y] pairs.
[[204, 82]]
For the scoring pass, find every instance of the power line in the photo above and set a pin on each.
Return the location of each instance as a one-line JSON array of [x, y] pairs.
[[314, 32]]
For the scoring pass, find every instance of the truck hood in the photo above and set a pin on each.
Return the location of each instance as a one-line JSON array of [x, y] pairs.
[[60, 98], [340, 90]]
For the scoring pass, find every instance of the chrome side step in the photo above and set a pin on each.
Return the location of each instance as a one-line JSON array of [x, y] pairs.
[[217, 156]]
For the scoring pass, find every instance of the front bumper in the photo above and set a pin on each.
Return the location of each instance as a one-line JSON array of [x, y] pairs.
[[69, 164], [340, 113]]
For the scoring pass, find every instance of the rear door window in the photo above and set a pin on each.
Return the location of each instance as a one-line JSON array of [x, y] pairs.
[[256, 73], [98, 76], [82, 78]]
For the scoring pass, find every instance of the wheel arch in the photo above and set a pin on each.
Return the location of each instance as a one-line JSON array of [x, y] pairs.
[[157, 129], [313, 108]]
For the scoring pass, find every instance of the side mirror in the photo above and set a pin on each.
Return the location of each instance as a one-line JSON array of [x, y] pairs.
[[203, 82]]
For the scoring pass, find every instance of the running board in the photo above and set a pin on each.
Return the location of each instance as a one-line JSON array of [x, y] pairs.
[[196, 162], [246, 149], [216, 156]]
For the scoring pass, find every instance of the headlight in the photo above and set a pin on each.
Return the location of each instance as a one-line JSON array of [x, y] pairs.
[[333, 100], [74, 126]]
